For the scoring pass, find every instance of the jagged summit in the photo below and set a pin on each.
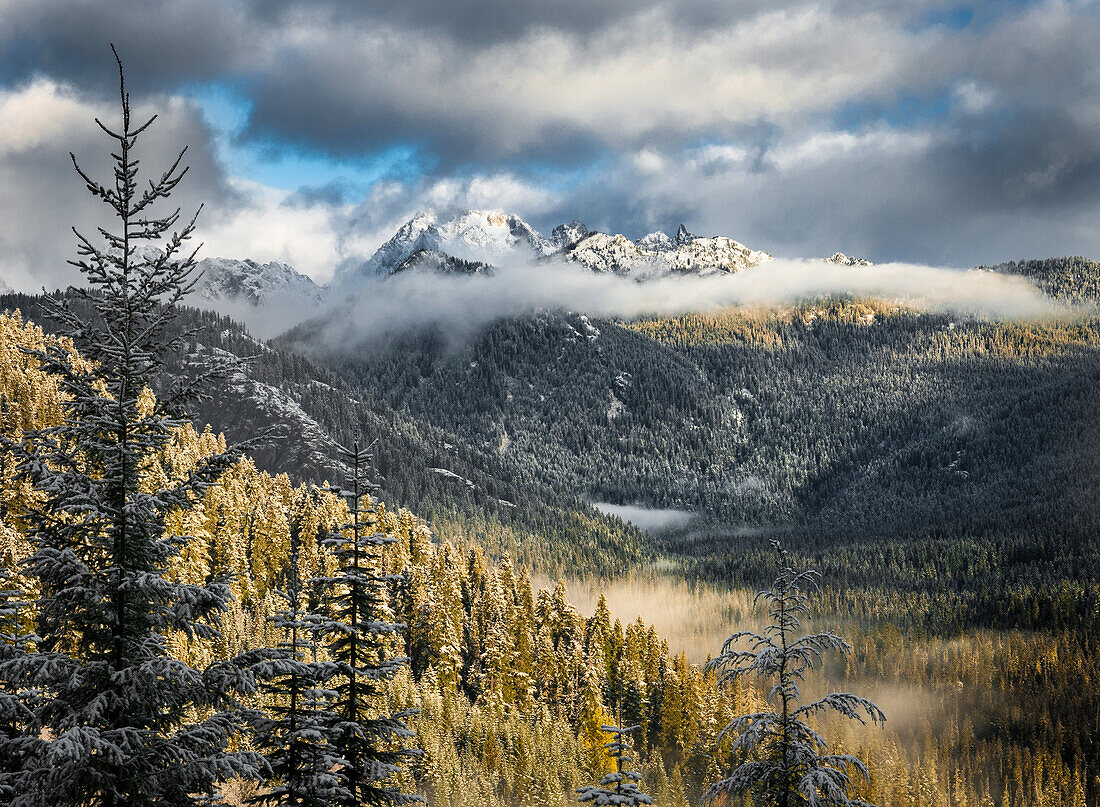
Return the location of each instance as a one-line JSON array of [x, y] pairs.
[[847, 260], [566, 235], [247, 281], [614, 254], [485, 238], [471, 235], [656, 254]]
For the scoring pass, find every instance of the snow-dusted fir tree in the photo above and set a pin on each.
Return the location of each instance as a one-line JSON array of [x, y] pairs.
[[295, 732], [118, 721], [15, 703], [789, 762], [619, 786], [360, 632]]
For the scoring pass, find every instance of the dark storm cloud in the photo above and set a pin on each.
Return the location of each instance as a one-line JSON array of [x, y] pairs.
[[484, 22], [162, 43], [473, 82]]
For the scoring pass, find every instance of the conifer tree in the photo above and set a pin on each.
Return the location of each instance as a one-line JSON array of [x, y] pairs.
[[15, 713], [619, 786], [296, 731], [114, 721], [361, 632], [792, 765]]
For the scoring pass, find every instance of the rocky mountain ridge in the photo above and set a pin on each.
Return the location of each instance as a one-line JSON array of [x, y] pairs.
[[255, 283], [476, 242]]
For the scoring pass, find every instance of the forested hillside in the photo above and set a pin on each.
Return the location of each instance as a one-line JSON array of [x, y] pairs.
[[962, 450], [303, 409], [1075, 279], [835, 547], [513, 683]]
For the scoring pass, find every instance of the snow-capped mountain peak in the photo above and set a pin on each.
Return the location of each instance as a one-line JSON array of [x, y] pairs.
[[657, 254], [566, 235], [615, 254], [656, 242], [847, 260], [470, 235], [490, 233], [248, 281], [421, 232], [268, 297]]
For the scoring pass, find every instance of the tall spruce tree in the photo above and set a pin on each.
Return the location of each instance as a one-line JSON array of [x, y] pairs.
[[788, 763], [295, 733], [116, 720], [360, 631]]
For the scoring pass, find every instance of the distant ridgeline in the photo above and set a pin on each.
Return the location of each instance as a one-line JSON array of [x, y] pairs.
[[1073, 279]]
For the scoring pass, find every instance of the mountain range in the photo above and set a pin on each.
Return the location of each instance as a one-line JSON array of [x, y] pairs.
[[473, 242]]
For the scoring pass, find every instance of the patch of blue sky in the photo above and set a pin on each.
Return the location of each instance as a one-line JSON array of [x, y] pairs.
[[290, 167], [226, 108], [903, 112], [956, 18], [969, 16], [560, 179]]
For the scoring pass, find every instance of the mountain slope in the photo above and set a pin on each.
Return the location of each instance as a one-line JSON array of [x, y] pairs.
[[303, 408], [1076, 279], [834, 424], [430, 260], [246, 281]]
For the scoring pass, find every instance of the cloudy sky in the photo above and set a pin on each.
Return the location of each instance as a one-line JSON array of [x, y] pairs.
[[899, 130]]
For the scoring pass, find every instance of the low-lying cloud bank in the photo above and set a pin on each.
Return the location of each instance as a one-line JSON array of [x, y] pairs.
[[457, 305], [651, 519]]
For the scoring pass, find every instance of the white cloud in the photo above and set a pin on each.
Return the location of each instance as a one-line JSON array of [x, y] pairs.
[[41, 122], [37, 114], [648, 161], [266, 228], [973, 97], [618, 85], [459, 304], [827, 147]]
